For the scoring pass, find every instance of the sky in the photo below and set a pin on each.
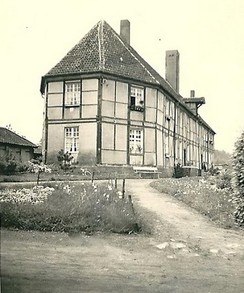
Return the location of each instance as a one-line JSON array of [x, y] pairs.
[[209, 35]]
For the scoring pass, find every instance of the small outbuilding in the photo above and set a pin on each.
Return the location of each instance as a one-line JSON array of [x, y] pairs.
[[14, 146]]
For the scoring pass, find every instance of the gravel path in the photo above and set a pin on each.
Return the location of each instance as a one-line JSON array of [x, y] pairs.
[[190, 224]]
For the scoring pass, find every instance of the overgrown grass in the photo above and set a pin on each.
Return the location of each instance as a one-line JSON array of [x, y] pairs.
[[202, 194], [84, 207]]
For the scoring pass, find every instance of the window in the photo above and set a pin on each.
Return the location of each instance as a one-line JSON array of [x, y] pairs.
[[72, 140], [72, 93], [136, 141], [137, 99]]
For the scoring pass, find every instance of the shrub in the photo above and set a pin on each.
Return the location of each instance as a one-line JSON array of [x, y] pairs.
[[224, 179], [7, 164], [238, 166], [64, 160], [68, 208]]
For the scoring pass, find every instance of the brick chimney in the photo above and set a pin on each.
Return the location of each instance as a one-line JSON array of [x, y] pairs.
[[125, 30], [172, 69], [192, 93]]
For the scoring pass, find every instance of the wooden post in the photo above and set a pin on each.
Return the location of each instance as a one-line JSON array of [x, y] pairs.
[[38, 177], [115, 183], [93, 174], [109, 178], [131, 203], [123, 189]]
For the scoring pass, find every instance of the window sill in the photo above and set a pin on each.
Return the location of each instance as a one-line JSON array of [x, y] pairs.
[[137, 108], [71, 106]]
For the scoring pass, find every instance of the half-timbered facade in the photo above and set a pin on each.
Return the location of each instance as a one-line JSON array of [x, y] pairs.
[[106, 105]]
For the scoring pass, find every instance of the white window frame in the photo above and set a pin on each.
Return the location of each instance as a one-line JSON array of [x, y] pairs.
[[72, 93], [136, 141], [71, 140], [137, 94]]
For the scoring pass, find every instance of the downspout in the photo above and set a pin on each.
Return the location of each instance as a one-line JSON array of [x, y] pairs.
[[174, 135], [45, 128]]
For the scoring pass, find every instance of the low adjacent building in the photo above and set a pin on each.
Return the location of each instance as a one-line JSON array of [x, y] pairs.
[[14, 146]]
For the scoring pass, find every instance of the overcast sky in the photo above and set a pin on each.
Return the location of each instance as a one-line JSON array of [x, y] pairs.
[[209, 34]]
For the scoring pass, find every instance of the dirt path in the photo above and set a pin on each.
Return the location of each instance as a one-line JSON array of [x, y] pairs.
[[185, 254], [191, 226]]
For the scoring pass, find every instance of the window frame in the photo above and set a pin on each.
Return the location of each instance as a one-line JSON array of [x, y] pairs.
[[137, 95], [74, 138], [72, 97], [136, 142]]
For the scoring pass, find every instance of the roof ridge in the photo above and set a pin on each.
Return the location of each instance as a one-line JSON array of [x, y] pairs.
[[101, 45]]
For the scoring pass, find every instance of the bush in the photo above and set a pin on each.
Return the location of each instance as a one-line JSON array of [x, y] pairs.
[[84, 207], [238, 166], [8, 165], [64, 159], [224, 179]]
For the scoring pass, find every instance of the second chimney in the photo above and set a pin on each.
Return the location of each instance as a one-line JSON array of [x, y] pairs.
[[172, 69], [125, 30], [192, 94]]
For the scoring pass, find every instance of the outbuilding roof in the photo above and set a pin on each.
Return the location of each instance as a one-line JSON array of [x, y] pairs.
[[9, 137]]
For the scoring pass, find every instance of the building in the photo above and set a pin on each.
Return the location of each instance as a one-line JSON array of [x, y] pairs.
[[15, 147], [107, 106]]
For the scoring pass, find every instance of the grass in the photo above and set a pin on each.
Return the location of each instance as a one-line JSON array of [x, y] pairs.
[[203, 195], [68, 208]]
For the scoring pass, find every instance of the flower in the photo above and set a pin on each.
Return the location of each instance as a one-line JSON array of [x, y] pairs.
[[35, 195]]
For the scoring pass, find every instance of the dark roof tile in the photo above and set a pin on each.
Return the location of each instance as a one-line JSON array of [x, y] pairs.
[[9, 137]]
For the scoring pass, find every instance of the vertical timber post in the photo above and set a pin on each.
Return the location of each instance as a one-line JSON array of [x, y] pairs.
[[123, 189]]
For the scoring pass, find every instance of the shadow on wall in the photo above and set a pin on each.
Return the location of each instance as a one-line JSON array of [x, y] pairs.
[[87, 159]]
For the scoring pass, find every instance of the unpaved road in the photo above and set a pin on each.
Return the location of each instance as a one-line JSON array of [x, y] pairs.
[[185, 253], [191, 226]]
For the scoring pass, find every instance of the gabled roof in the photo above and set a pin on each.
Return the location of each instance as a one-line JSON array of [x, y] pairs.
[[9, 137]]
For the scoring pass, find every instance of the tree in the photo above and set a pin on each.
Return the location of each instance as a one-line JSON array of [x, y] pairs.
[[222, 157], [238, 166]]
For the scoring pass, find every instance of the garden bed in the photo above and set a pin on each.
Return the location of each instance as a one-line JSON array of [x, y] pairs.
[[66, 207]]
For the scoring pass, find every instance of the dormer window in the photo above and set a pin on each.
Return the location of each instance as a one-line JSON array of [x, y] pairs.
[[72, 93], [137, 99]]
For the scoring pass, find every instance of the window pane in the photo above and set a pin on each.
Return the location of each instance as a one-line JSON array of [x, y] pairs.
[[72, 139], [136, 141], [72, 93]]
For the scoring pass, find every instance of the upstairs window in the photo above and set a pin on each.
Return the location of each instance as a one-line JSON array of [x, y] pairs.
[[136, 141], [137, 99], [72, 93], [72, 140]]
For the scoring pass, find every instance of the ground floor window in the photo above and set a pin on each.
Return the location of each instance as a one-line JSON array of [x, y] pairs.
[[72, 140], [136, 141]]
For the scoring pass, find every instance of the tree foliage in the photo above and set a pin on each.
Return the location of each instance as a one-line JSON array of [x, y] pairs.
[[238, 166], [222, 157]]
